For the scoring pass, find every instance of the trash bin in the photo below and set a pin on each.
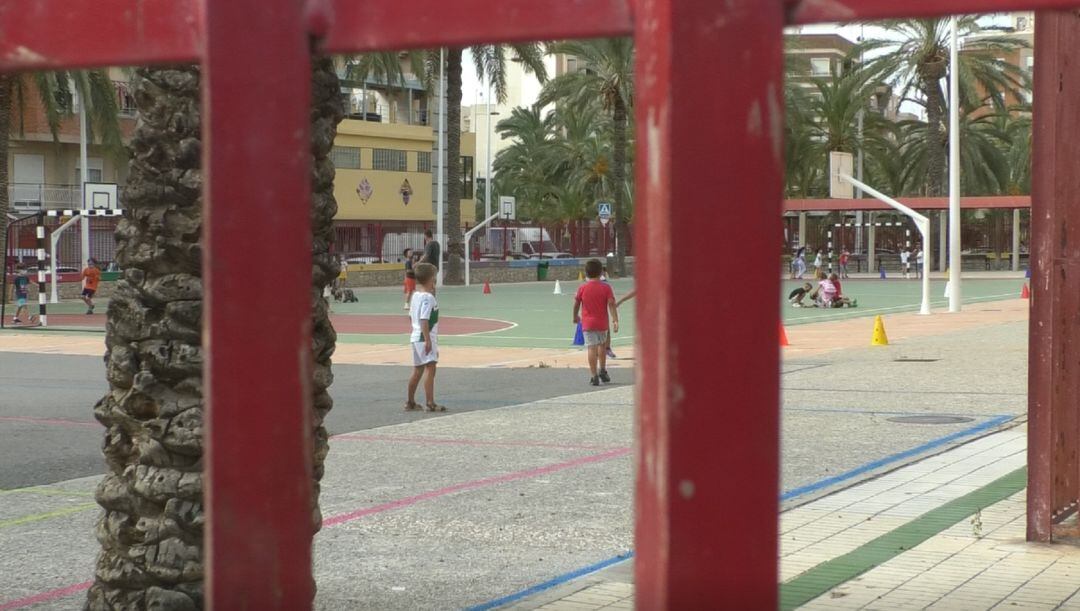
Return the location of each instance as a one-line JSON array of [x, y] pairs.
[[542, 270]]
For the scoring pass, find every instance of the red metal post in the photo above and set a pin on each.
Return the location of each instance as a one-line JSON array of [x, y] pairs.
[[1054, 345], [256, 100], [708, 398]]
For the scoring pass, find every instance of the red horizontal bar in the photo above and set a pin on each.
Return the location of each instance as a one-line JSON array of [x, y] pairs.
[[365, 26], [41, 34], [918, 203], [800, 12]]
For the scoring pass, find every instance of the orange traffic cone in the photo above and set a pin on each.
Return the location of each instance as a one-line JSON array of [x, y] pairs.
[[1025, 293], [487, 287], [783, 336]]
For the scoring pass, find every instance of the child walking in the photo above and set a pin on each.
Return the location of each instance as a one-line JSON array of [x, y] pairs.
[[22, 293], [424, 312], [91, 276], [592, 305]]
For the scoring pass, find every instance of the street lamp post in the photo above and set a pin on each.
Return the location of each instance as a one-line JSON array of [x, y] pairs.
[[487, 171]]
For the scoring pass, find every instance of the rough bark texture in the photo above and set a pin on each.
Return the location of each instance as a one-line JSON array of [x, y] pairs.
[[327, 111], [931, 73], [151, 532], [455, 248], [619, 178]]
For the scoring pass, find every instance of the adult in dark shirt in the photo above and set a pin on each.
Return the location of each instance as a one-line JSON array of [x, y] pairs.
[[432, 251], [796, 297]]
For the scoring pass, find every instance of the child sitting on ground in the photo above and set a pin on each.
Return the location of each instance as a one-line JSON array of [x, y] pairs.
[[826, 293], [840, 301], [592, 304], [795, 298], [424, 312]]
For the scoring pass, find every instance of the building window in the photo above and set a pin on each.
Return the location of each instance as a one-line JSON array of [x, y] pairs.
[[423, 162], [389, 159], [820, 66], [346, 157], [467, 178]]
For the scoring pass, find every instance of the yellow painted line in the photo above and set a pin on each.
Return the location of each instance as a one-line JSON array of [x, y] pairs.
[[46, 492], [37, 517]]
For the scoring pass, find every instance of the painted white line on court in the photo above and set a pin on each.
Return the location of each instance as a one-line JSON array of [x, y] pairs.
[[844, 313]]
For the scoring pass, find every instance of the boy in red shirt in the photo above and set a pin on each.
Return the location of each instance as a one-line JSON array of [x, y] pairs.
[[592, 304]]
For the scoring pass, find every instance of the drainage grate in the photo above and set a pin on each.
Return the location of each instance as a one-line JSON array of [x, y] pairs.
[[930, 419]]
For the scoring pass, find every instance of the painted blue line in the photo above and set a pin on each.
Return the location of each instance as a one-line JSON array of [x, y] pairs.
[[790, 494], [547, 585], [881, 462]]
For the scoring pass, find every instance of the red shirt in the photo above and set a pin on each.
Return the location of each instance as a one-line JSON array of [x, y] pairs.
[[836, 283], [594, 297]]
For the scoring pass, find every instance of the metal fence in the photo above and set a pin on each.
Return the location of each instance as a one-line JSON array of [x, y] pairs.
[[21, 241]]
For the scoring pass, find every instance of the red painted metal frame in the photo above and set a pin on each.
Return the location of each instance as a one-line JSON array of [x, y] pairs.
[[917, 203], [708, 385], [1053, 352], [257, 337], [707, 489]]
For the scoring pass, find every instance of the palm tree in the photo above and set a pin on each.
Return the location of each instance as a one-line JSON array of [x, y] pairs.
[[524, 169], [385, 67], [490, 63], [53, 90], [915, 60], [151, 533], [609, 78]]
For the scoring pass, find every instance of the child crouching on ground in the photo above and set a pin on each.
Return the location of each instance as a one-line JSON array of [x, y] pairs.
[[592, 304], [424, 312]]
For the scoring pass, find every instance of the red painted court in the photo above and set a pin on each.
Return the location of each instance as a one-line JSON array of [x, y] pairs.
[[367, 324]]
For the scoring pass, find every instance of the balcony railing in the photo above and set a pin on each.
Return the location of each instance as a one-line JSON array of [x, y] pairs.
[[32, 197]]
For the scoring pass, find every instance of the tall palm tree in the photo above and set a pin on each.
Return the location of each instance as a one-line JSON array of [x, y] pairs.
[[53, 91], [609, 78], [915, 60], [490, 64], [151, 533], [386, 68], [524, 169]]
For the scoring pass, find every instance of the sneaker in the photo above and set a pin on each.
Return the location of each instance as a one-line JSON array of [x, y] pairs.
[[16, 321], [610, 355], [595, 381], [89, 311], [604, 377], [854, 303], [405, 307]]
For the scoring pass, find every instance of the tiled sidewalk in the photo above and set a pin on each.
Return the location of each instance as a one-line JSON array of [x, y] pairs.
[[944, 533]]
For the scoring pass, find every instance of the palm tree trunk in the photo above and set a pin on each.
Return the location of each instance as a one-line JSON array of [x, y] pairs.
[[327, 111], [6, 85], [619, 179], [454, 247], [151, 531], [937, 138]]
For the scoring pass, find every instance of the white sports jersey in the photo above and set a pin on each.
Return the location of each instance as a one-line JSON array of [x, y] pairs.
[[423, 307]]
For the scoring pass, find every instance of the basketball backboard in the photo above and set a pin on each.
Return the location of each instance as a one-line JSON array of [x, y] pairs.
[[840, 163], [100, 196]]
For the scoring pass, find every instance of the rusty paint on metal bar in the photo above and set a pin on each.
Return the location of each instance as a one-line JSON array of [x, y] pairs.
[[42, 34], [708, 389], [365, 26], [1054, 345], [801, 12], [257, 336]]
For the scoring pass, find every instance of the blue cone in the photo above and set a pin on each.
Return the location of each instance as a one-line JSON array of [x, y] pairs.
[[882, 273], [1027, 273], [579, 337]]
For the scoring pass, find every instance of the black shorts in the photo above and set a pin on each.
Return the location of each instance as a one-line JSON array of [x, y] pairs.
[[88, 293]]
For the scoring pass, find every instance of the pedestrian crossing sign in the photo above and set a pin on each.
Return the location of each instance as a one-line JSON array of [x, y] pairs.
[[604, 210]]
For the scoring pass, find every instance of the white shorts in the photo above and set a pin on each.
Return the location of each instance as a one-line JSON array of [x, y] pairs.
[[418, 356]]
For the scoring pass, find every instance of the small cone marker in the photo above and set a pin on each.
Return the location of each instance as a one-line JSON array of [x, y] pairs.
[[880, 339], [579, 337], [1027, 273], [581, 276], [783, 336], [558, 288], [1025, 293], [946, 290], [487, 287], [883, 273]]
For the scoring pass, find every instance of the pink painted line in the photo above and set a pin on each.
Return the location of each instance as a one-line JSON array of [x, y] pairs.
[[47, 421], [475, 484], [45, 597], [471, 442], [359, 513]]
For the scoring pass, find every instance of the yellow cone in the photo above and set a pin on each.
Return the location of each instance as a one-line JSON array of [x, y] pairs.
[[581, 276], [880, 339]]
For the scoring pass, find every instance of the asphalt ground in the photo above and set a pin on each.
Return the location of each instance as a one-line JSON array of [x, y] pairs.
[[50, 435]]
